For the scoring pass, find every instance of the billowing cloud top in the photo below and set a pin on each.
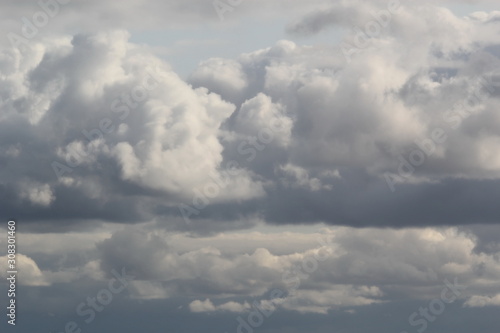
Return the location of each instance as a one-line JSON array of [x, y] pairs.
[[372, 132]]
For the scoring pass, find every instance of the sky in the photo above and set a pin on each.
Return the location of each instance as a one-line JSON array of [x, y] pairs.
[[235, 166]]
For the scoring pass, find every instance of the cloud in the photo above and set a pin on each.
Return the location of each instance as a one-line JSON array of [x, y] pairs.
[[321, 302], [391, 117], [208, 306], [97, 102], [387, 140], [225, 76], [258, 136], [358, 267], [31, 274], [300, 178], [341, 14], [231, 272], [201, 306], [482, 301], [37, 194]]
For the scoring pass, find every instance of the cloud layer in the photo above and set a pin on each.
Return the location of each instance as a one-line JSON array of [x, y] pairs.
[[372, 125], [388, 140], [337, 268]]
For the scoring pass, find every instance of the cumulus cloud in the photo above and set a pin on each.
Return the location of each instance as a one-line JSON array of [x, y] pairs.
[[247, 136], [201, 306], [31, 273], [385, 115], [208, 306], [225, 76], [320, 301], [111, 161], [338, 268], [482, 301], [342, 14], [38, 194], [97, 102], [299, 177]]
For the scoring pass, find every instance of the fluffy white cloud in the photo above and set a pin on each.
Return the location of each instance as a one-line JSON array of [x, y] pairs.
[[121, 129], [337, 268], [267, 120], [38, 194], [224, 76], [97, 101], [403, 112], [208, 306]]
